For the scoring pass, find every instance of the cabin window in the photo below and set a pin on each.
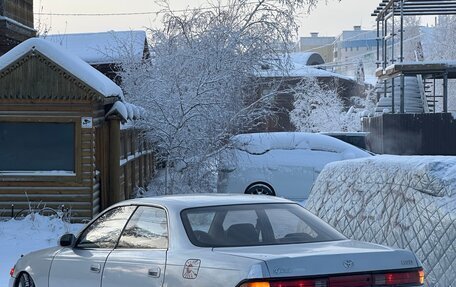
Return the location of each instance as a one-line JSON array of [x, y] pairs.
[[30, 147]]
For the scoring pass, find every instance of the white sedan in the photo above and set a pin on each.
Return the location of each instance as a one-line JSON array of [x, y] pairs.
[[284, 164], [216, 241]]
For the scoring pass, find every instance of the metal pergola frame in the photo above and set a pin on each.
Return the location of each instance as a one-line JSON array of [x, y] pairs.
[[387, 35]]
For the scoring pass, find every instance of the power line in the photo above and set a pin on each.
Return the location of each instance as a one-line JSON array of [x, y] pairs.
[[135, 13], [333, 43], [98, 14], [353, 59]]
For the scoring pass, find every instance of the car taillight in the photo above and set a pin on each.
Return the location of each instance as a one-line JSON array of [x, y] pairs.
[[353, 281], [256, 284], [301, 283], [12, 272], [392, 279], [399, 278], [289, 283]]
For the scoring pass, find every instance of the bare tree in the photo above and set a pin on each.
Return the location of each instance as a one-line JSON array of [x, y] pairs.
[[440, 45], [200, 85], [412, 39]]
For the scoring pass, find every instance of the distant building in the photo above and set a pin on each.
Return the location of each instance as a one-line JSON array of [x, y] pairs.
[[16, 23], [321, 45], [355, 46], [303, 65]]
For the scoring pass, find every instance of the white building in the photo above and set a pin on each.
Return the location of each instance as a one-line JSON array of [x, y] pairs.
[[354, 46]]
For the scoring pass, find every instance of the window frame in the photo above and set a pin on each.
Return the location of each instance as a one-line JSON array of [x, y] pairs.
[[31, 176]]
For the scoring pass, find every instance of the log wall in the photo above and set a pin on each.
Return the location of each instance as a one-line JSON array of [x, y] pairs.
[[81, 192]]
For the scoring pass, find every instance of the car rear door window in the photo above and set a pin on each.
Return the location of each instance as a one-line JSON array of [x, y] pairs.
[[147, 229], [105, 231]]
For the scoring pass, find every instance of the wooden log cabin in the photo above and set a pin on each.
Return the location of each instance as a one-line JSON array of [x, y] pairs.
[[61, 135]]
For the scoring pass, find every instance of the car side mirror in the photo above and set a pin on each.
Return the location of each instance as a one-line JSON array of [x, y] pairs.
[[67, 240]]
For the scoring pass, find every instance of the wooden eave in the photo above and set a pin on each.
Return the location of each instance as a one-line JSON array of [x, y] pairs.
[[87, 92]]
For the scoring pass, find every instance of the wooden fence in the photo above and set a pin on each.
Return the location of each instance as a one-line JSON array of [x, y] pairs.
[[137, 161]]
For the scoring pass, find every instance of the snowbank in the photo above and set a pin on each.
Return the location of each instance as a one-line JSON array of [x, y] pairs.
[[405, 202], [23, 236]]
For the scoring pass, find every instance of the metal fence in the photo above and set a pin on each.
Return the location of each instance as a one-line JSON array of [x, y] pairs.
[[411, 134]]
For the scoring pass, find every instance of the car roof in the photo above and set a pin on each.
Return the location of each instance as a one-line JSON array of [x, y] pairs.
[[259, 143], [184, 201]]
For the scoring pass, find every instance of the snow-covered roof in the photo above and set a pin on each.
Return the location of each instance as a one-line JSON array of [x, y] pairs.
[[302, 71], [126, 111], [299, 67], [306, 58], [69, 62], [104, 47]]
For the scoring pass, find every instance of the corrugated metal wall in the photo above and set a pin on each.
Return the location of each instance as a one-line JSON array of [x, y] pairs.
[[412, 134]]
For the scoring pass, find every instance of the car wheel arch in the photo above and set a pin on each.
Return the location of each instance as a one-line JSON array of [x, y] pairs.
[[20, 275]]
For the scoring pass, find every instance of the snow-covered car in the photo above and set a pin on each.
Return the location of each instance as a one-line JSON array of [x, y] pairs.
[[214, 240], [284, 164], [400, 201]]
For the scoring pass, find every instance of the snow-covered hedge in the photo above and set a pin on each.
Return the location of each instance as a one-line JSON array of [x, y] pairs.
[[405, 202]]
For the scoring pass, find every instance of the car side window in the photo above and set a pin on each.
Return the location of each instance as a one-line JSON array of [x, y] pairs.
[[147, 229], [104, 232]]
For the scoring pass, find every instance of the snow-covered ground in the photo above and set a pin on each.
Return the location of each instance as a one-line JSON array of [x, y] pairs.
[[23, 236]]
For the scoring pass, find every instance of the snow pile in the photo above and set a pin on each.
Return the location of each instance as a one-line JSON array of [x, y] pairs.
[[405, 202], [29, 234], [126, 110]]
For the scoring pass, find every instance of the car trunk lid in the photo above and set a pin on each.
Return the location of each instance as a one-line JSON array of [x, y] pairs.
[[336, 257]]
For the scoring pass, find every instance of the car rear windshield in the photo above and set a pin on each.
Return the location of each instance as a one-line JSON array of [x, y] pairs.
[[255, 225]]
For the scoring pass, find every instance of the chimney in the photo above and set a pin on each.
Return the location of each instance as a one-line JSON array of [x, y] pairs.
[[357, 28], [314, 34]]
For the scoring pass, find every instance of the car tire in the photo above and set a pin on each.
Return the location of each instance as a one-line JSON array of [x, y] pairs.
[[260, 188], [25, 281]]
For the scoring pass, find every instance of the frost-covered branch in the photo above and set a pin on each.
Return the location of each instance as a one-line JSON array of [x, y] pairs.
[[318, 108], [200, 86]]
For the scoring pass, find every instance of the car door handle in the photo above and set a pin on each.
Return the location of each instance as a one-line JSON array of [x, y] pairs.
[[95, 268], [154, 272]]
